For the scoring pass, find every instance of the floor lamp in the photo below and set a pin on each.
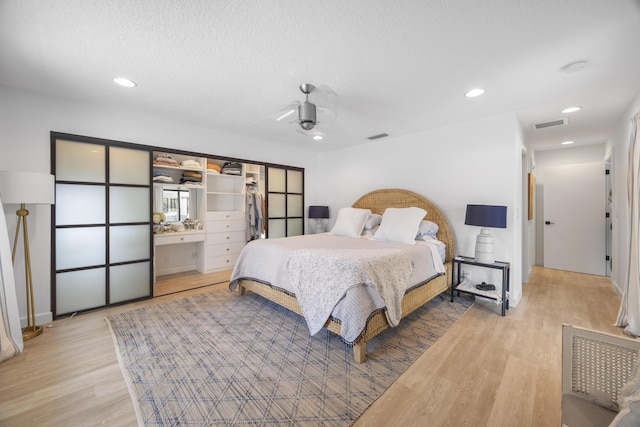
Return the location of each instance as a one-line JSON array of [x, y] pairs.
[[26, 188]]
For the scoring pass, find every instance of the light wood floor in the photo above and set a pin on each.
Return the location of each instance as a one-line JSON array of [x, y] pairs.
[[487, 370]]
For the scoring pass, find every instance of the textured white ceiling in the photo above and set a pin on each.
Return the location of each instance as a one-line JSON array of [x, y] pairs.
[[398, 66]]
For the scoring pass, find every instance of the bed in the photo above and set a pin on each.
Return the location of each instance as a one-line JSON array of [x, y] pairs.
[[378, 318]]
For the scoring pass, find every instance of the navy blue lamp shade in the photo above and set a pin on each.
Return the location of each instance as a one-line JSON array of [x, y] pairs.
[[486, 216], [318, 211]]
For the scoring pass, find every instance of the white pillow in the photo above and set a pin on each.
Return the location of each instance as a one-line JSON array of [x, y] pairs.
[[400, 225], [350, 222], [373, 221]]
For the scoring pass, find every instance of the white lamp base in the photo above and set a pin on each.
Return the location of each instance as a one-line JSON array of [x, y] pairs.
[[484, 247], [317, 225]]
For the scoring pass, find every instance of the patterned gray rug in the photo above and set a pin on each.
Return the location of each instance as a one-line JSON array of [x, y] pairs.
[[218, 359]]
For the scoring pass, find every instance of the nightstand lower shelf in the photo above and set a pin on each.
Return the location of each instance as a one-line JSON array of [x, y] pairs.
[[501, 296]]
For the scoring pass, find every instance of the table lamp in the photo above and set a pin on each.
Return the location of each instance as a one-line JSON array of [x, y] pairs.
[[26, 188], [486, 216], [318, 218]]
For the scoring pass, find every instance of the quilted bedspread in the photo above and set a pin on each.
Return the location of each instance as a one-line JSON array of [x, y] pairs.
[[344, 277]]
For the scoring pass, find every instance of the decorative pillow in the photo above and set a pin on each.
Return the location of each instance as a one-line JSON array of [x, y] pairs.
[[427, 228], [632, 385], [373, 221], [370, 233], [629, 415], [350, 222], [400, 225]]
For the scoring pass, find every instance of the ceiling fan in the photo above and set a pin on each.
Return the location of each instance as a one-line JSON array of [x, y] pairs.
[[320, 106]]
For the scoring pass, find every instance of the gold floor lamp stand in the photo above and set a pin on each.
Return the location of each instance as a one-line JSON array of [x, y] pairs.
[[31, 330]]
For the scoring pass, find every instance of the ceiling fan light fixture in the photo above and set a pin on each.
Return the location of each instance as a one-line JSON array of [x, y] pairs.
[[307, 114]]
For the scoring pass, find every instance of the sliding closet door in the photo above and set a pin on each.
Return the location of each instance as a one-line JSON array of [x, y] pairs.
[[102, 239], [285, 201]]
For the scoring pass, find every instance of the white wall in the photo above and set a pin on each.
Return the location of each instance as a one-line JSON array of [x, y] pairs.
[[26, 119], [619, 147], [476, 162]]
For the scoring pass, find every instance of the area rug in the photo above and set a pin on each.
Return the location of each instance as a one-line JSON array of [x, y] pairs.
[[220, 359]]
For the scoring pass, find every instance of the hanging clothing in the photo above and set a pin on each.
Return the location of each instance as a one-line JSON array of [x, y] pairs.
[[254, 213]]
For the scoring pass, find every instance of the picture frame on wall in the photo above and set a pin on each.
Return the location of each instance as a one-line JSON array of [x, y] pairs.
[[530, 204]]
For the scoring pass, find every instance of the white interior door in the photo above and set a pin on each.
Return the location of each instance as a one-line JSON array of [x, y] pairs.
[[574, 218]]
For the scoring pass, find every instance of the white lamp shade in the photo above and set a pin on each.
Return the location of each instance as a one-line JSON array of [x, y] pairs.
[[27, 187]]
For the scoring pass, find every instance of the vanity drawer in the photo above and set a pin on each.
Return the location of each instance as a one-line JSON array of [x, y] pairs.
[[225, 215], [224, 226], [172, 239], [225, 237]]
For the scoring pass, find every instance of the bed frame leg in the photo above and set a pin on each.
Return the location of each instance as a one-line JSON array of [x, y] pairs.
[[241, 290], [360, 352]]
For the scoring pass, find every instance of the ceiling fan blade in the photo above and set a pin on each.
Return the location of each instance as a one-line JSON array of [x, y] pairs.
[[327, 103], [288, 112]]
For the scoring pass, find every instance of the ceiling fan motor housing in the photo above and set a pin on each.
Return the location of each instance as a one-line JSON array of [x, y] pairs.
[[307, 115]]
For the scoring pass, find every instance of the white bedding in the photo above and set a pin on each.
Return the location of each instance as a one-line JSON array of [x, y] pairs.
[[267, 261]]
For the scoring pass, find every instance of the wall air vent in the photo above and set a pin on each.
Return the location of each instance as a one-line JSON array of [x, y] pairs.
[[551, 123], [380, 135]]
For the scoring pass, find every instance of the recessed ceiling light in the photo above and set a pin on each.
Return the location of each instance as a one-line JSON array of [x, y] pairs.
[[568, 142], [318, 137], [571, 109], [125, 82], [474, 92]]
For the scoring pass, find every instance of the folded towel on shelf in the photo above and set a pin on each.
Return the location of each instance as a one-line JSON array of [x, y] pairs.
[[189, 163]]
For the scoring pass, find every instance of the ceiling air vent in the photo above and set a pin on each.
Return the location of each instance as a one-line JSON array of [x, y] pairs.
[[551, 123], [380, 135]]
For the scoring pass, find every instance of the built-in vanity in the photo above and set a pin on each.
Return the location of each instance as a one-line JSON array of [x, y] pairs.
[[200, 220]]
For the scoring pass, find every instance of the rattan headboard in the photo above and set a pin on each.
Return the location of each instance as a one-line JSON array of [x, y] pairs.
[[377, 201]]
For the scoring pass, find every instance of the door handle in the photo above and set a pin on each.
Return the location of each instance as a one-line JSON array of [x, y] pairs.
[[549, 223]]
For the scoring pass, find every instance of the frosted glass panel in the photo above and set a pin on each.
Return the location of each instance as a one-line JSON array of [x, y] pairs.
[[129, 205], [80, 247], [80, 204], [294, 181], [277, 228], [129, 281], [80, 290], [294, 227], [129, 243], [127, 166], [277, 207], [277, 181], [294, 205], [79, 161]]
